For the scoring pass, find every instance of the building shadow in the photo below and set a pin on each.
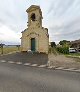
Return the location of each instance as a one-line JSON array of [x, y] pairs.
[[24, 57]]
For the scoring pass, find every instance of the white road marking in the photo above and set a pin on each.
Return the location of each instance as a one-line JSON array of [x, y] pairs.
[[50, 67], [70, 69], [3, 61], [27, 64], [34, 64], [42, 66], [11, 62], [78, 70], [18, 63], [59, 68]]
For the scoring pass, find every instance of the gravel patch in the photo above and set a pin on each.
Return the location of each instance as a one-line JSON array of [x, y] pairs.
[[63, 61]]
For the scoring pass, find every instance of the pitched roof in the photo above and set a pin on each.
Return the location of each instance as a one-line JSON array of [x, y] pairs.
[[76, 41]]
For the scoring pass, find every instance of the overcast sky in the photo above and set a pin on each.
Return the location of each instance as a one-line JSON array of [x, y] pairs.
[[61, 17]]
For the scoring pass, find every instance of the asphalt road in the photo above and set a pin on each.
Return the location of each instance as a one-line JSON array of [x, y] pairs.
[[20, 78], [35, 58]]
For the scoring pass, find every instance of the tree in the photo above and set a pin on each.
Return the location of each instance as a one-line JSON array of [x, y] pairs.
[[64, 43], [53, 44]]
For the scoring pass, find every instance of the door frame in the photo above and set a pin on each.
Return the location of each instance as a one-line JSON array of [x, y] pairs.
[[33, 45]]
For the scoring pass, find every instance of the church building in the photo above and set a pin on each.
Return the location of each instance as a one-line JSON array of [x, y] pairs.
[[35, 37]]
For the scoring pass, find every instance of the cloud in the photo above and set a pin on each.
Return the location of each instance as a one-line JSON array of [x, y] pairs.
[[69, 31], [64, 20], [7, 35], [61, 17], [13, 14]]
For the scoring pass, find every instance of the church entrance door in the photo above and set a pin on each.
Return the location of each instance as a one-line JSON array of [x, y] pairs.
[[32, 44]]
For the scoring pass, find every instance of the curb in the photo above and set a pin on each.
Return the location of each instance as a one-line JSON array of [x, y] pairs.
[[73, 56], [42, 66]]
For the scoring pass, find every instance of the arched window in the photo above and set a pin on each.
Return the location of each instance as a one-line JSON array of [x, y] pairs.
[[33, 17]]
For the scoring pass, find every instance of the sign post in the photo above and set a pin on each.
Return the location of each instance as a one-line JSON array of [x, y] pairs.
[[18, 47], [1, 46]]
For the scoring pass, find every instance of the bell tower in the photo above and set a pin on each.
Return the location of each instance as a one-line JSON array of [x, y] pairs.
[[34, 16]]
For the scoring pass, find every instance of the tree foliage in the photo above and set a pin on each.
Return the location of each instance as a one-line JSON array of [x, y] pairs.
[[53, 44], [63, 50], [64, 43]]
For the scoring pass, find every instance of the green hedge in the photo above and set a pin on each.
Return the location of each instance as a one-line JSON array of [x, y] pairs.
[[64, 50]]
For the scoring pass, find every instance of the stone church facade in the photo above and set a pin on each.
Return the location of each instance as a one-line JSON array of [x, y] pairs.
[[35, 37]]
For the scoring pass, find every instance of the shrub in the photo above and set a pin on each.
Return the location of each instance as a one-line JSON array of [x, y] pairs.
[[64, 50], [53, 50]]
